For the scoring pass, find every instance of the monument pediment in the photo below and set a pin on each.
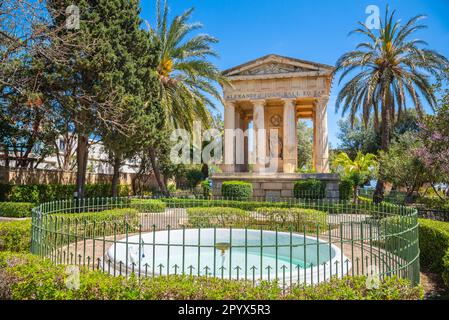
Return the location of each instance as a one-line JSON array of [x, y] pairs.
[[277, 65], [274, 68]]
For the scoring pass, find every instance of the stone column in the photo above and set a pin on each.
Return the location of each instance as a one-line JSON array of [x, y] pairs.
[[260, 138], [290, 140], [246, 144], [322, 139], [239, 142], [229, 139]]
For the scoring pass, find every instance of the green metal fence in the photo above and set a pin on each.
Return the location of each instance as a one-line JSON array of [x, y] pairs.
[[289, 241]]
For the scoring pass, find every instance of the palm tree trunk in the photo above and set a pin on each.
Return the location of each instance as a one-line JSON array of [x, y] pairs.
[[376, 117], [385, 143], [355, 194]]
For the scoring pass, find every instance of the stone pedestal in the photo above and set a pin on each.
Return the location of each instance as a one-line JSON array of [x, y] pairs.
[[273, 186]]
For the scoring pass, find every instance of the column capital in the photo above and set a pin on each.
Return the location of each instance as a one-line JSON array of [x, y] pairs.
[[230, 104], [289, 102], [322, 100], [258, 103]]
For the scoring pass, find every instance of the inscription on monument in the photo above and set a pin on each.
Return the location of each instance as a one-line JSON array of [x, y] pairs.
[[280, 94]]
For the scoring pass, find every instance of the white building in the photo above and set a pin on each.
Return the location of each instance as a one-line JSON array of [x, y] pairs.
[[66, 146]]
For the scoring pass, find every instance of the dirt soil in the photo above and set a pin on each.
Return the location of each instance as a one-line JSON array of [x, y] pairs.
[[433, 286]]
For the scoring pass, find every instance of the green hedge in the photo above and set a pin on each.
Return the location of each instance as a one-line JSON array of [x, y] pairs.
[[345, 189], [237, 190], [27, 277], [434, 246], [96, 224], [15, 236], [294, 219], [434, 203], [309, 189], [148, 206], [16, 209], [281, 218], [217, 216], [244, 205], [330, 207], [40, 193]]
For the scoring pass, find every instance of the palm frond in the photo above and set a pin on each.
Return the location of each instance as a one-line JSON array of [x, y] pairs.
[[188, 79]]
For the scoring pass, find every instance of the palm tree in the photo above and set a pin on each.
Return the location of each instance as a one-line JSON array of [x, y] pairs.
[[360, 170], [387, 71], [187, 77]]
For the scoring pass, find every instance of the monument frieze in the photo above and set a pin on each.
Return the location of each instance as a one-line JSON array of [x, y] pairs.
[[280, 94]]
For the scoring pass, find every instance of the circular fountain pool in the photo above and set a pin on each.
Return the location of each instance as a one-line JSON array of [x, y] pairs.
[[232, 254]]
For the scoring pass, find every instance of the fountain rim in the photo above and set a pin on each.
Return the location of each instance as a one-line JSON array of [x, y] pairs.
[[316, 272]]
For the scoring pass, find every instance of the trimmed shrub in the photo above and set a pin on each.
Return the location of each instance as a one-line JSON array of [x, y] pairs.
[[16, 209], [27, 277], [26, 193], [295, 219], [207, 188], [434, 246], [445, 274], [148, 206], [237, 190], [346, 188], [216, 216], [309, 189], [15, 236], [355, 288]]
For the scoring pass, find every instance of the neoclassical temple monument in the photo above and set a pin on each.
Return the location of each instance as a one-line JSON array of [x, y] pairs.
[[271, 94]]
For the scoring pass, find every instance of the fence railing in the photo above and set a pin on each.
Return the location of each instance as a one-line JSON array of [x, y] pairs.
[[290, 241]]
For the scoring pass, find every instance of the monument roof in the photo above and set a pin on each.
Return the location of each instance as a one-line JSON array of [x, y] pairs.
[[275, 64]]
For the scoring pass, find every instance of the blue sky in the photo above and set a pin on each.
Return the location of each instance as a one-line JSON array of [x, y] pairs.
[[315, 30]]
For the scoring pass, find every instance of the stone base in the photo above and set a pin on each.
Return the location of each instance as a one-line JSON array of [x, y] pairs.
[[278, 185]]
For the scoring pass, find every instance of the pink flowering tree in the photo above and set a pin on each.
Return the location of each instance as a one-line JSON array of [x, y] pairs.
[[435, 150]]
